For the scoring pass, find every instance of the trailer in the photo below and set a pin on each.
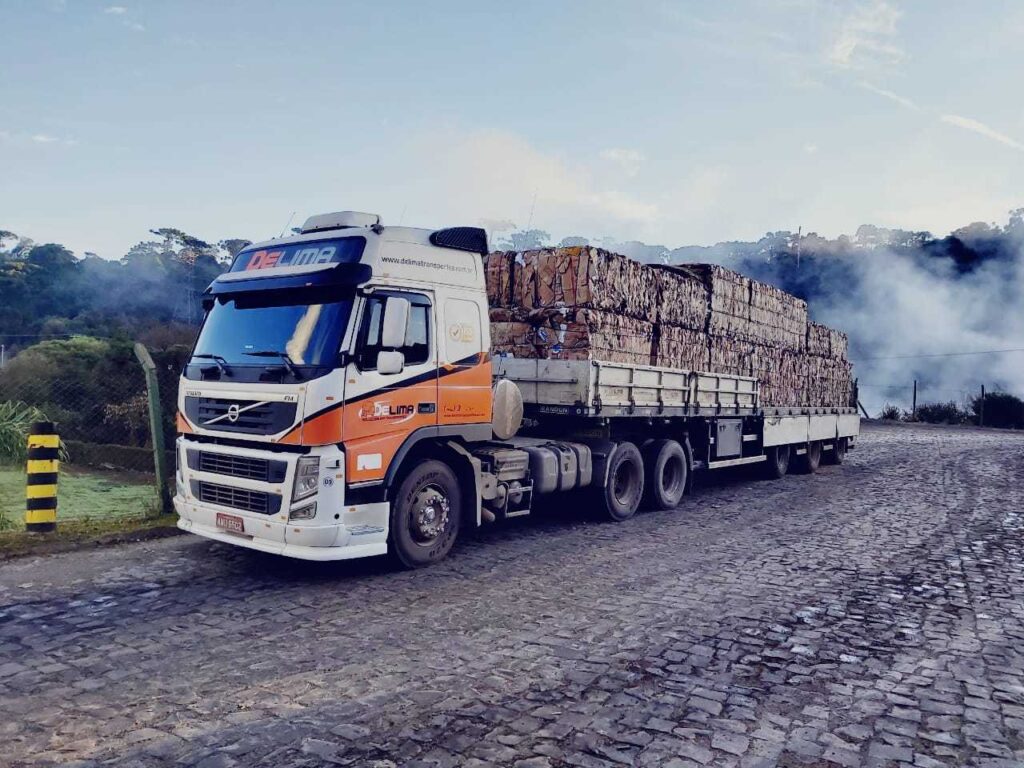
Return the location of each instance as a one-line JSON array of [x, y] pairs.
[[342, 401]]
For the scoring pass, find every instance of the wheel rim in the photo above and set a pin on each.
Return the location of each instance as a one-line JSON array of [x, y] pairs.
[[428, 516], [672, 476], [622, 483]]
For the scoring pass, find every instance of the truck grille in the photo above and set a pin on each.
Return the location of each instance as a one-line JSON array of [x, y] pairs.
[[250, 468], [251, 416], [238, 498]]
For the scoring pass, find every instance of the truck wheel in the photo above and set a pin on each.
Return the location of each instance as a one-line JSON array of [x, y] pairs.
[[665, 474], [778, 462], [425, 515], [809, 462], [625, 485], [838, 453]]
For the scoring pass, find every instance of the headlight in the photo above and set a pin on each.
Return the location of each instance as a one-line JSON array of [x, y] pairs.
[[307, 475]]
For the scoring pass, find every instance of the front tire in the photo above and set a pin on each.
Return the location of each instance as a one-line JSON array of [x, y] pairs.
[[425, 515], [665, 475], [625, 487]]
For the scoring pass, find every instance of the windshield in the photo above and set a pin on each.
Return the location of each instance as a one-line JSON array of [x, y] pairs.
[[309, 332]]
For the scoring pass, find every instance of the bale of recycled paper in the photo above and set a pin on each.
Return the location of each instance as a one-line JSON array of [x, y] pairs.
[[682, 348]]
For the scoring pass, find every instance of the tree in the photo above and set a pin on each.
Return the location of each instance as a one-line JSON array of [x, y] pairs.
[[525, 240]]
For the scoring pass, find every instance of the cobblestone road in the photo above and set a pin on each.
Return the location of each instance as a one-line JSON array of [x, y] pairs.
[[872, 614]]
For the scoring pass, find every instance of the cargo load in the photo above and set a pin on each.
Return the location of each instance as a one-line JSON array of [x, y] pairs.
[[582, 302]]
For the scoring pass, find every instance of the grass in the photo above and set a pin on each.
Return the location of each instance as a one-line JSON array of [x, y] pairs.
[[82, 496]]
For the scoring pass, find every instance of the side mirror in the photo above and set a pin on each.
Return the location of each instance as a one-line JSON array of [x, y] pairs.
[[396, 323], [389, 363]]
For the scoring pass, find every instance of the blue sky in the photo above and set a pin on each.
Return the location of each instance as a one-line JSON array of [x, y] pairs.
[[668, 122]]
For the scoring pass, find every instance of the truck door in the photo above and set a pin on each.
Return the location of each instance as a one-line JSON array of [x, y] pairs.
[[464, 386], [382, 410]]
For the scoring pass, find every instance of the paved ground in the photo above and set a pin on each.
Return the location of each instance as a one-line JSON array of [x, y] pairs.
[[872, 614]]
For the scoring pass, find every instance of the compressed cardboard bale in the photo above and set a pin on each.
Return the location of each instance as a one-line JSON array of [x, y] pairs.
[[729, 291], [782, 375], [584, 278], [582, 334], [498, 278], [730, 355], [683, 348], [682, 298], [818, 339]]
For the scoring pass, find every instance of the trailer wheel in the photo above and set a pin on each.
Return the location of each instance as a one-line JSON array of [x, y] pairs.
[[778, 461], [625, 487], [808, 463], [425, 515], [665, 474], [838, 453]]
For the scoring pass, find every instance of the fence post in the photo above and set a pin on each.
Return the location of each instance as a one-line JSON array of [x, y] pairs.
[[981, 408], [156, 424], [913, 407], [41, 478]]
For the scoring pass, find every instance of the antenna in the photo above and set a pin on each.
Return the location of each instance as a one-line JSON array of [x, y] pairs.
[[287, 224], [402, 217], [533, 205]]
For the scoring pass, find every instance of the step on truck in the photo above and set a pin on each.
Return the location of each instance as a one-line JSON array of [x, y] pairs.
[[341, 401]]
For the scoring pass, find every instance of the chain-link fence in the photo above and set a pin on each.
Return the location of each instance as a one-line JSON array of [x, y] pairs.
[[97, 394]]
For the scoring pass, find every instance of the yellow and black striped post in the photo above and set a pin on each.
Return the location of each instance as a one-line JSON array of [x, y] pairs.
[[41, 487]]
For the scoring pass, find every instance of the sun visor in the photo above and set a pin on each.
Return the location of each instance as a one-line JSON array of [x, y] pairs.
[[274, 280]]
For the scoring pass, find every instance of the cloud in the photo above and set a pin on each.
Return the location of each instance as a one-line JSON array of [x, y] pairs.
[[867, 36], [901, 100], [629, 160], [980, 128], [134, 26], [811, 149], [498, 175], [42, 138], [45, 138], [115, 10]]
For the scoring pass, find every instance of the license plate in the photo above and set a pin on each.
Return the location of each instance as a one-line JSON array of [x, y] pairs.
[[230, 523]]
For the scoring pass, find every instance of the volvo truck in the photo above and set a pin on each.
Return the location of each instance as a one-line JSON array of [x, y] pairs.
[[341, 401]]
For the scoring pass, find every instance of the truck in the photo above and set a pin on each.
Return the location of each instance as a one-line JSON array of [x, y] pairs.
[[342, 401]]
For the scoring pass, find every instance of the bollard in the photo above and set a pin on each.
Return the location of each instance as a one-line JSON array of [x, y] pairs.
[[41, 480]]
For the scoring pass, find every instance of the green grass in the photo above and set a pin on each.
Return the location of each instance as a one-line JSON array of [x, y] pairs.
[[92, 495]]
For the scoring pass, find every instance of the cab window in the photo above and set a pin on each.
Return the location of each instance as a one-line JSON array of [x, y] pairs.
[[416, 351]]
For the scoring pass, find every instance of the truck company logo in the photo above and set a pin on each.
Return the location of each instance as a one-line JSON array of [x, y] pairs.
[[461, 332], [291, 257], [382, 410], [232, 413]]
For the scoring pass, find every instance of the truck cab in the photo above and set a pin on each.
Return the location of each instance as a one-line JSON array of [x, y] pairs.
[[327, 361]]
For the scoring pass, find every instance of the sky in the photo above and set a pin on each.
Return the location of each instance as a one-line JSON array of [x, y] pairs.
[[669, 122]]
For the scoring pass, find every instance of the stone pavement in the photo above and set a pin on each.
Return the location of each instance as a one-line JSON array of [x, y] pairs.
[[870, 615]]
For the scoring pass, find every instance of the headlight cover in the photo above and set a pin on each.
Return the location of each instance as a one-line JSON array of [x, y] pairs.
[[307, 512], [307, 476]]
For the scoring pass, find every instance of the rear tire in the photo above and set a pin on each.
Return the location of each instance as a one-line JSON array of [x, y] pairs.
[[778, 462], [808, 463], [838, 453], [625, 487], [425, 515], [665, 474]]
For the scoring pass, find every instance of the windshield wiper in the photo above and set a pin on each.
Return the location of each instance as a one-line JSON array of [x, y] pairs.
[[288, 362], [222, 364]]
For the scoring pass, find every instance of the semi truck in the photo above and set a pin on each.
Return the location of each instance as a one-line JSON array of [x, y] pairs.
[[342, 401]]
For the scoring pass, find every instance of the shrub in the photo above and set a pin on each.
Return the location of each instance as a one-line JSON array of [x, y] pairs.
[[942, 413], [891, 413], [15, 421], [1001, 410]]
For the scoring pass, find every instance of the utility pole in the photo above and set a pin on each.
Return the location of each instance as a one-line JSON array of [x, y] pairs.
[[3, 354], [981, 408], [913, 407]]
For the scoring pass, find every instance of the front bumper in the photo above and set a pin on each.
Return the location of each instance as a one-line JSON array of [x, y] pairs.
[[337, 531]]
